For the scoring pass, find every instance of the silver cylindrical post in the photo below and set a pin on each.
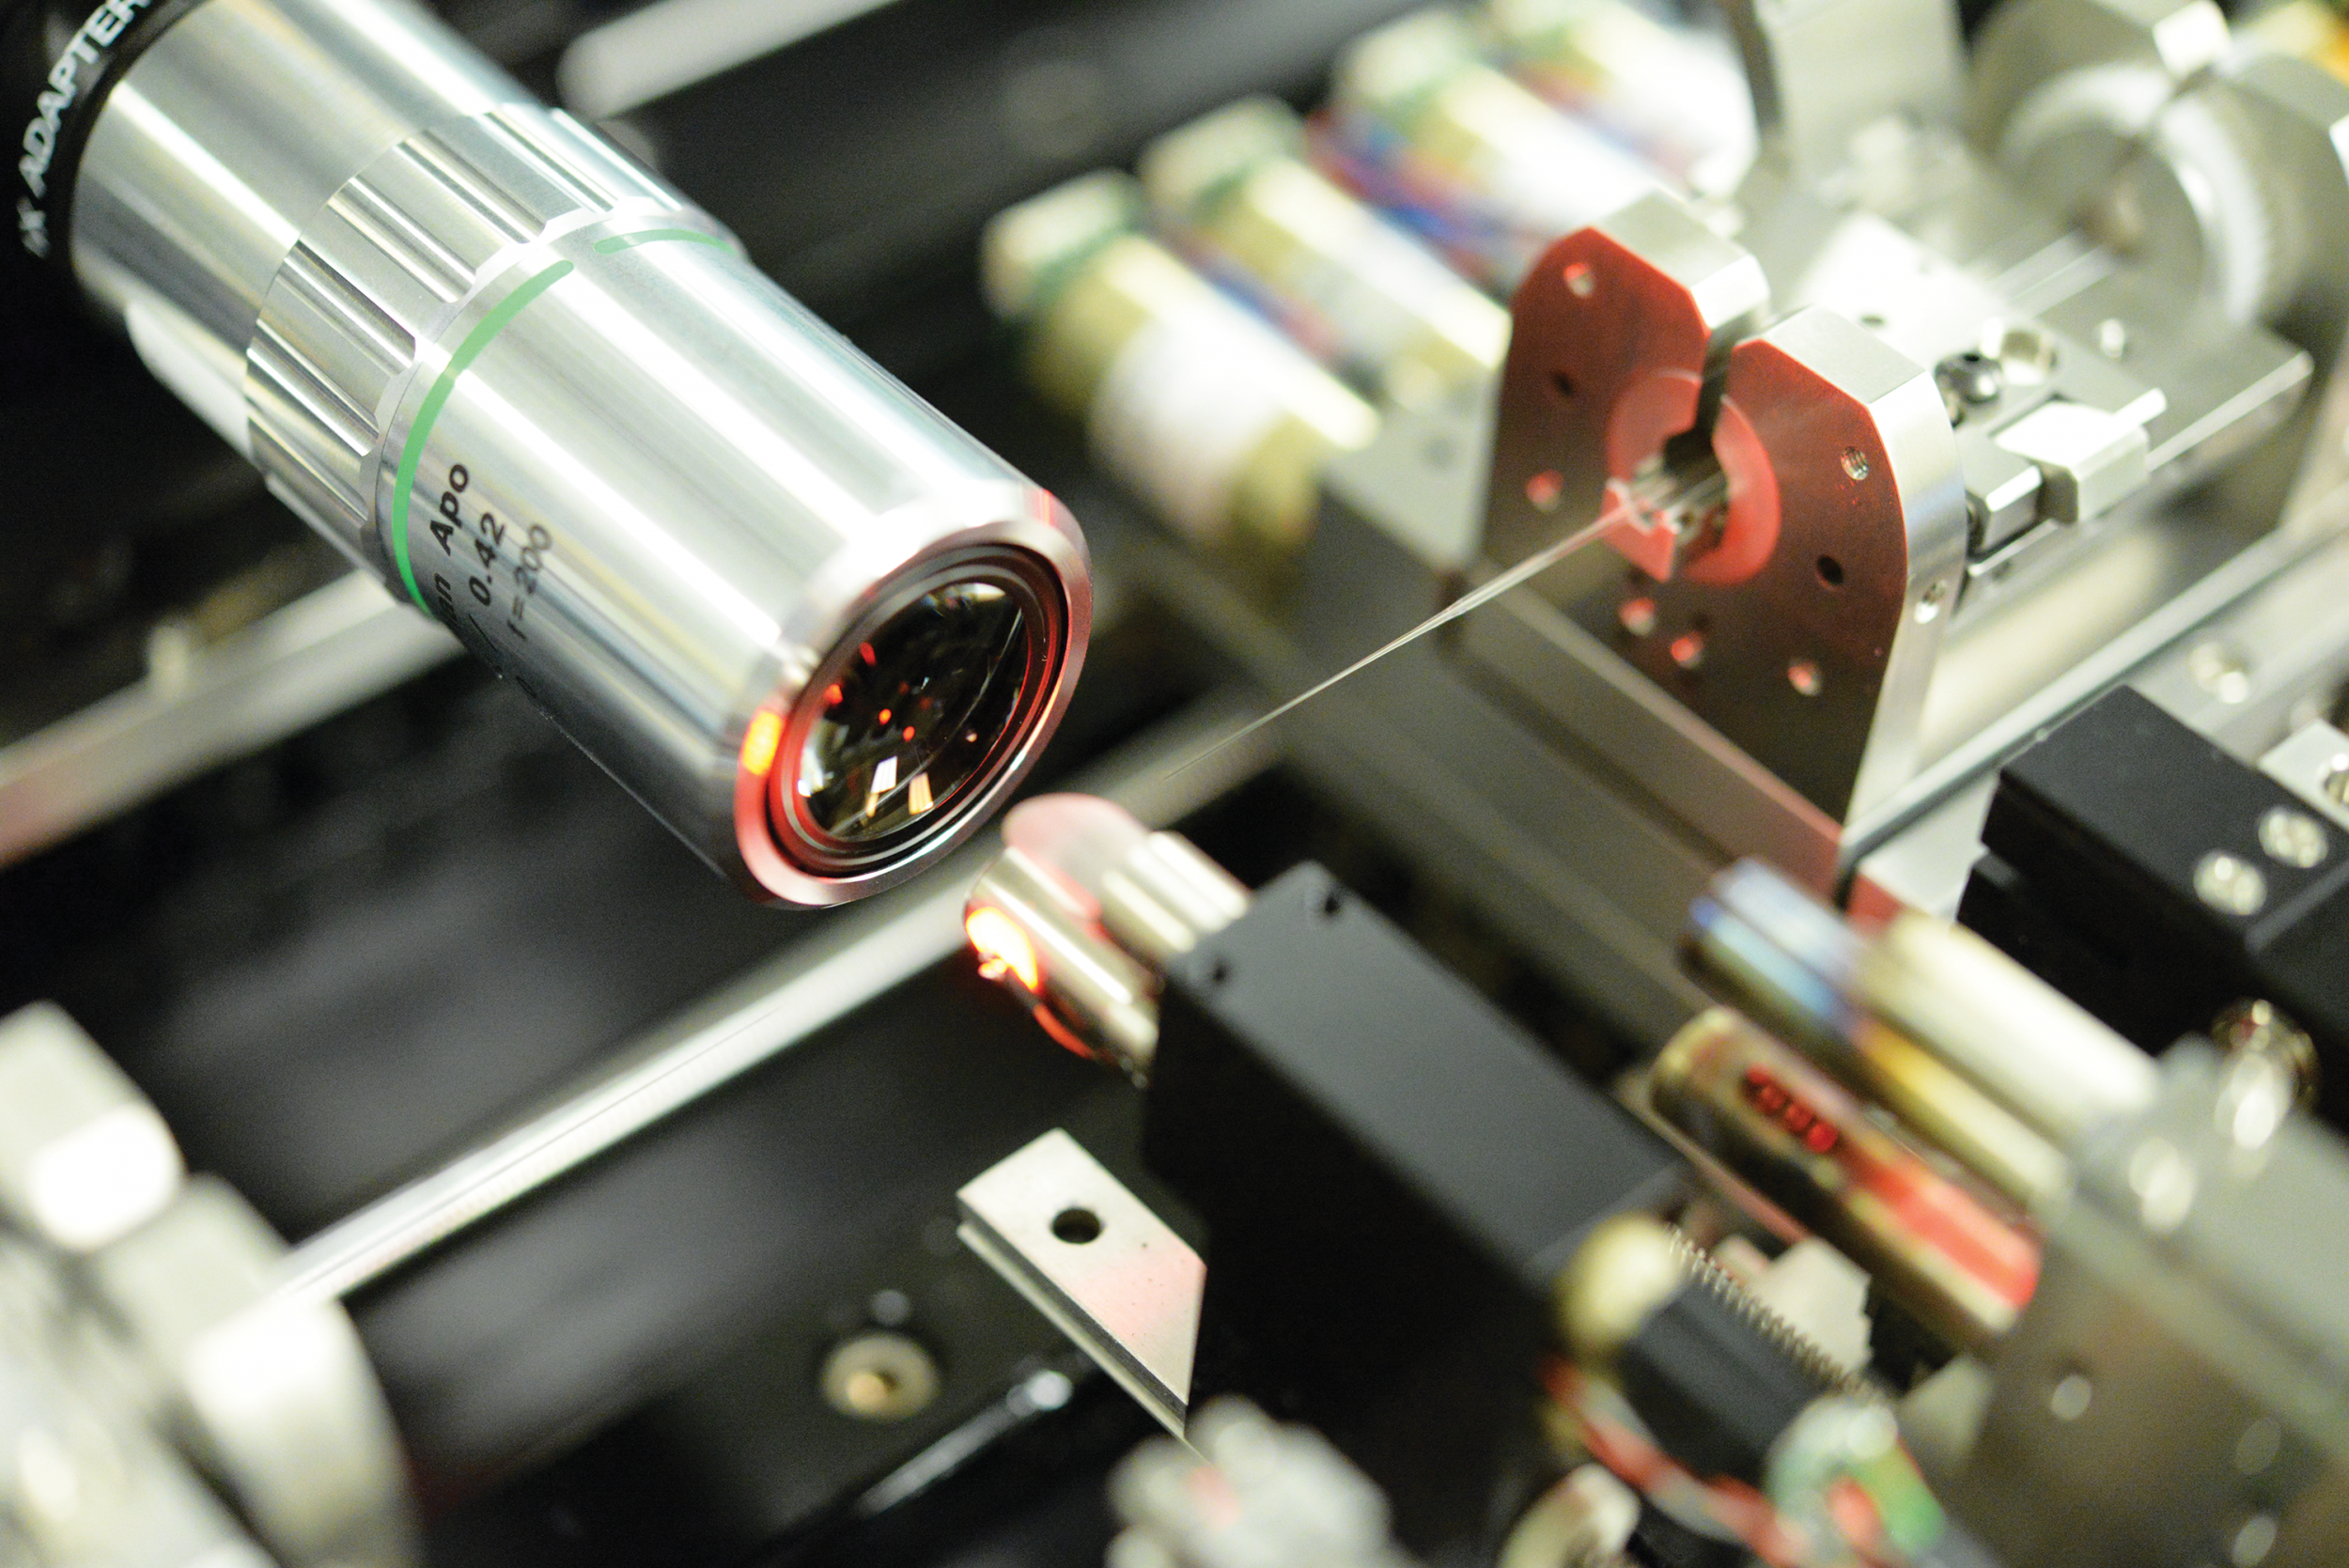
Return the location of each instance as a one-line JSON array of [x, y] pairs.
[[813, 626]]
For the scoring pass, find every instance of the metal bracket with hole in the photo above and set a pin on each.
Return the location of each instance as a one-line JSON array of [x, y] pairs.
[[1094, 1259]]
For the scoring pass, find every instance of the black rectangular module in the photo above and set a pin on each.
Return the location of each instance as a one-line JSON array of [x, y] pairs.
[[1391, 1173], [2158, 882]]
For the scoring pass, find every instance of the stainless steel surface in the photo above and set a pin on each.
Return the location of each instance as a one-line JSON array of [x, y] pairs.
[[338, 646], [127, 1496], [275, 1396], [1822, 71], [2213, 165], [858, 958], [198, 180], [1165, 896], [1060, 960], [1092, 1258], [84, 1158], [2174, 1394], [142, 1353], [545, 398], [2268, 664]]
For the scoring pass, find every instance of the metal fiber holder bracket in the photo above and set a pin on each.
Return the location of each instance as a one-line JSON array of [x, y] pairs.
[[1094, 1259]]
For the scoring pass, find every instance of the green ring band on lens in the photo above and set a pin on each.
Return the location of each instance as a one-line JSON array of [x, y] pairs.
[[411, 457], [436, 399]]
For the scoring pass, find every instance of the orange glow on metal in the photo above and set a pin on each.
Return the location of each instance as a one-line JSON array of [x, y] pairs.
[[1061, 1033], [1003, 948], [759, 742], [832, 695]]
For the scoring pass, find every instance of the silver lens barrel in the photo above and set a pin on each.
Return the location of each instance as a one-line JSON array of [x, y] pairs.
[[813, 626]]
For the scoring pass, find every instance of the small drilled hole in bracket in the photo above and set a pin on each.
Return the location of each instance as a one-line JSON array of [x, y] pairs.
[[1076, 1226], [1830, 571]]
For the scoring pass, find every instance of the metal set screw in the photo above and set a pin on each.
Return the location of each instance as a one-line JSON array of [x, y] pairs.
[[1968, 380], [879, 1377], [2259, 1028], [2293, 838], [2230, 884]]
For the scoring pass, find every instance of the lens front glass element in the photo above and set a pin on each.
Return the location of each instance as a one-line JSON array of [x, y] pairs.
[[917, 713]]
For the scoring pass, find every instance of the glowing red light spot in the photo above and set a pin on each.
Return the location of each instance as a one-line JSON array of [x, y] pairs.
[[1820, 1138], [909, 732], [885, 716], [832, 695], [864, 651], [1798, 1115]]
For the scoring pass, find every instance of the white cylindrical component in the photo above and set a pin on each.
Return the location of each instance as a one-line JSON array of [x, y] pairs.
[[1507, 173], [1217, 421], [1356, 290], [1676, 94]]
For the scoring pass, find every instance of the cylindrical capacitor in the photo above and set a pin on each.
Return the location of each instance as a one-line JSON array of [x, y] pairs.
[[1350, 284], [1677, 95], [1811, 1148], [538, 393], [1793, 964], [1496, 174], [1206, 412]]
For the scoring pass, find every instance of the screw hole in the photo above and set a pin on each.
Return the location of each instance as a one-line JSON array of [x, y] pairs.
[[1219, 971], [1076, 1226], [1830, 571], [1332, 904], [1561, 383]]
